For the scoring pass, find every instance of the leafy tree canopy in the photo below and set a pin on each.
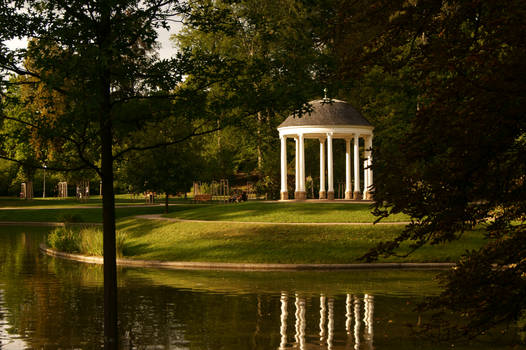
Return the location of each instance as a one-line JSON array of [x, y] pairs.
[[457, 159]]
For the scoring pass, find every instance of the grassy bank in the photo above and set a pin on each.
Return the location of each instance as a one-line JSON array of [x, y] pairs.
[[72, 214], [240, 241], [281, 212], [185, 241]]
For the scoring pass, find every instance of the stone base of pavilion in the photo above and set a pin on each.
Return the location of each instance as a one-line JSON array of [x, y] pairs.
[[326, 201], [301, 196]]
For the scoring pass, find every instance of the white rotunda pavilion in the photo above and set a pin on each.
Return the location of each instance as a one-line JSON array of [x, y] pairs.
[[328, 120]]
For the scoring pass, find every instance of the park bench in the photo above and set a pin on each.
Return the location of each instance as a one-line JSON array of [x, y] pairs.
[[202, 197], [238, 197]]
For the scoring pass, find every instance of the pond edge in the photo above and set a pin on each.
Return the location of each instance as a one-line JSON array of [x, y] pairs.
[[190, 265]]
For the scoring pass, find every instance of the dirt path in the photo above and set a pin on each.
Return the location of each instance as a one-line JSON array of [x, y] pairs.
[[46, 223], [159, 217]]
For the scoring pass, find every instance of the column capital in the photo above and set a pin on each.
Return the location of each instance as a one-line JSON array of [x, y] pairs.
[[322, 140], [329, 134], [281, 137]]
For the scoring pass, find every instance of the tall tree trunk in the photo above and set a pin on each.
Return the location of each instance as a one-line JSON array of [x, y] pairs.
[[166, 203], [111, 337], [110, 263]]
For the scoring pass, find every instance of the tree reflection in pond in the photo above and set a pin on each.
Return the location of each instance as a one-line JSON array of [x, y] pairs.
[[50, 303]]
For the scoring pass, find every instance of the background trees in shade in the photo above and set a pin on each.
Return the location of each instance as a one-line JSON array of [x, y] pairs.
[[458, 158]]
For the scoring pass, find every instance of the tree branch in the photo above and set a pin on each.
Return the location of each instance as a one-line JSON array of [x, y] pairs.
[[54, 168], [168, 143]]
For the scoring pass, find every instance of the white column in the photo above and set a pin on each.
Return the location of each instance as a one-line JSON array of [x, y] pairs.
[[367, 172], [370, 178], [357, 323], [348, 314], [283, 318], [284, 191], [323, 194], [302, 166], [330, 323], [297, 168], [348, 185], [357, 194], [365, 177], [322, 318], [330, 189], [300, 322], [368, 319]]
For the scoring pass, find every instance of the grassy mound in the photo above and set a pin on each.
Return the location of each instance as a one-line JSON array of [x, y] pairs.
[[253, 243]]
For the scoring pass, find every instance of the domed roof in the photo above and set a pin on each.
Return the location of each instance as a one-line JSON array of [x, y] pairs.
[[328, 112]]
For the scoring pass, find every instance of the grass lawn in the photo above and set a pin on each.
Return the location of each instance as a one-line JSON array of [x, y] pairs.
[[281, 212], [72, 214], [94, 201], [49, 210], [188, 241], [257, 243]]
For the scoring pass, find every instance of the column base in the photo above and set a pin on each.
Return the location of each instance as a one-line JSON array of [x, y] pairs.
[[368, 196], [357, 195], [330, 195], [323, 195], [348, 195], [284, 196], [300, 195]]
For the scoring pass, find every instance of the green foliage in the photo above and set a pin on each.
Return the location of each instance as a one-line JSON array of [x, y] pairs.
[[164, 170], [8, 171], [279, 65], [64, 239], [86, 240], [268, 186], [456, 156]]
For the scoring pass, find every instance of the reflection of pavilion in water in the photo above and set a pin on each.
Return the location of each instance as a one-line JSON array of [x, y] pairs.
[[354, 318]]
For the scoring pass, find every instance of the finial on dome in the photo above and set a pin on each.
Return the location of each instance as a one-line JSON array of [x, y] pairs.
[[325, 94]]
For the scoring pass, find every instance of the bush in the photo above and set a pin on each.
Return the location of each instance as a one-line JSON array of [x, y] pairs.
[[269, 187], [91, 241], [64, 239], [86, 240]]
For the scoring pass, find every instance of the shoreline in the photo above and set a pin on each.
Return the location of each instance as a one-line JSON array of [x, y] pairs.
[[190, 265]]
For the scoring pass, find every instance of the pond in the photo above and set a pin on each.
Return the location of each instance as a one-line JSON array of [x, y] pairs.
[[47, 303]]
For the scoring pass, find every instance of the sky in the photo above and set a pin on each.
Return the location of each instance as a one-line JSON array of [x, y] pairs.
[[167, 49]]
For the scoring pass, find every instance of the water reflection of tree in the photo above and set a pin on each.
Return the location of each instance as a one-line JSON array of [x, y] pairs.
[[40, 307]]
